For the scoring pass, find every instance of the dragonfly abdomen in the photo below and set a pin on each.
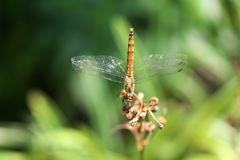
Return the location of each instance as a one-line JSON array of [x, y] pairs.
[[130, 52]]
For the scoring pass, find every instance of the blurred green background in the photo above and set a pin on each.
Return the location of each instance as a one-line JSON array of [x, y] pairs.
[[51, 112]]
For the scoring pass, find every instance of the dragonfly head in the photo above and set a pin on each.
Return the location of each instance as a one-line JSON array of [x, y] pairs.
[[129, 97]]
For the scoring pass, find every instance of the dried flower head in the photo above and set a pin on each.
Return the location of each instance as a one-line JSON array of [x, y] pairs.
[[139, 123]]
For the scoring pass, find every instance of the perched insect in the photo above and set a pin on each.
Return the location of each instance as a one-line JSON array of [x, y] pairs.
[[114, 69]]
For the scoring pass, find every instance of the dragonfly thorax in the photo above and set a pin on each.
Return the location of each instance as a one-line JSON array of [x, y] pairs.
[[129, 89], [129, 84]]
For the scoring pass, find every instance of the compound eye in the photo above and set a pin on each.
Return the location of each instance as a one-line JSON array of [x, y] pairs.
[[129, 97]]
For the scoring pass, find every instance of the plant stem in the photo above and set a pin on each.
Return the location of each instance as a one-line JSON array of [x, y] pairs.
[[141, 154]]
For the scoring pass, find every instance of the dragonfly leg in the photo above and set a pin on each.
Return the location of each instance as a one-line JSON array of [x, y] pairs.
[[121, 93]]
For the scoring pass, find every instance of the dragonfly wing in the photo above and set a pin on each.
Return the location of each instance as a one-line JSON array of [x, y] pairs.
[[107, 67], [156, 65]]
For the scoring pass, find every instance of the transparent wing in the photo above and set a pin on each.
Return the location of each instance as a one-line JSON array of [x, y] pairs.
[[156, 65], [107, 67]]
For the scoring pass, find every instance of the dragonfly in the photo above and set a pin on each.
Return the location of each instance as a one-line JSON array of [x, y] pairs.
[[114, 69]]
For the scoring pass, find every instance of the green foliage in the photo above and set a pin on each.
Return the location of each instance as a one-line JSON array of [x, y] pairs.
[[49, 138]]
